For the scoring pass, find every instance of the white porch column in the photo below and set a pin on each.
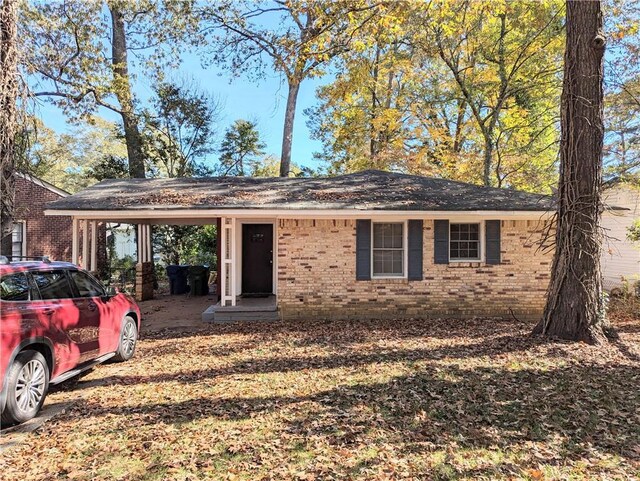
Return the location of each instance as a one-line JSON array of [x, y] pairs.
[[140, 254], [94, 246], [149, 257], [228, 256], [74, 241], [85, 244]]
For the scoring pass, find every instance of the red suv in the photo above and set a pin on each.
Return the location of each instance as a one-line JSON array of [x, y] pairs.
[[57, 321]]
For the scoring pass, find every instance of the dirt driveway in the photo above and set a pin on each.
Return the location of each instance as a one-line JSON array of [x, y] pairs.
[[443, 399], [174, 312]]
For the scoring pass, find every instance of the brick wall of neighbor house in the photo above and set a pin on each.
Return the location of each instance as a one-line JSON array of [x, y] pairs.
[[50, 236], [317, 279], [47, 235]]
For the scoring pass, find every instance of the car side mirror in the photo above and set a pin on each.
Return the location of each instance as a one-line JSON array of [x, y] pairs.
[[110, 292]]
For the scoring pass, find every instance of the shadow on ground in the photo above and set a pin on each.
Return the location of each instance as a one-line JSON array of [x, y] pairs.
[[579, 406]]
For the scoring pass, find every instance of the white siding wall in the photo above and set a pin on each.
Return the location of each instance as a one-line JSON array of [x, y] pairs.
[[620, 258]]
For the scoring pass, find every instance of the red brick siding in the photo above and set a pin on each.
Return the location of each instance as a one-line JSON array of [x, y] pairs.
[[47, 235]]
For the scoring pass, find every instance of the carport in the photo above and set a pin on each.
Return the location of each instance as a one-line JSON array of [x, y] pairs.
[[183, 201]]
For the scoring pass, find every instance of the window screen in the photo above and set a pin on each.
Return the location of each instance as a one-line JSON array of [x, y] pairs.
[[464, 242], [14, 287], [52, 284], [87, 287], [388, 249]]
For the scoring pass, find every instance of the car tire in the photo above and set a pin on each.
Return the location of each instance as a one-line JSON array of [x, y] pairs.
[[27, 387], [128, 340]]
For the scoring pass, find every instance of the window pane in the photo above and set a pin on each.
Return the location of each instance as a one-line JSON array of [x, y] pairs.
[[464, 241], [396, 240], [52, 284], [397, 257], [17, 237], [387, 262], [14, 288], [377, 235], [387, 235], [87, 287], [16, 234]]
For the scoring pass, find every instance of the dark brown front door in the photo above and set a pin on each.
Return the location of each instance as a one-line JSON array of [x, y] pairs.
[[257, 258]]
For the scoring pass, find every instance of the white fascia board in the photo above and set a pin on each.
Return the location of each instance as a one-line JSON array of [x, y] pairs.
[[43, 183], [168, 214]]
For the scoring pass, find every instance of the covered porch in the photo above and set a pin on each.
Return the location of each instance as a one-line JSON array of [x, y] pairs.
[[245, 267]]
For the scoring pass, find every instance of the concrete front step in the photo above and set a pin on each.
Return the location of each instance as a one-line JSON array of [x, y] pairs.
[[217, 313]]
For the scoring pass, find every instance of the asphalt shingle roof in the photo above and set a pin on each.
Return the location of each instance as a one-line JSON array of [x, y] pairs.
[[367, 190]]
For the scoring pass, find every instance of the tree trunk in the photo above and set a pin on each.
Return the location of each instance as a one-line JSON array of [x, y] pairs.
[[575, 309], [486, 161], [287, 135], [124, 95], [373, 141], [8, 118]]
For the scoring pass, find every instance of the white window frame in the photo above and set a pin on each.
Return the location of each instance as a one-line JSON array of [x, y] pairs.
[[481, 242], [24, 237], [405, 248]]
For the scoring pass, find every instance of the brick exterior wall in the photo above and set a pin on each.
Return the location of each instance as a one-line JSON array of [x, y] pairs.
[[317, 278], [48, 235]]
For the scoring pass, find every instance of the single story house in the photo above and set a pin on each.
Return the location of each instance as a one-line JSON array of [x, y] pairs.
[[370, 244], [620, 256]]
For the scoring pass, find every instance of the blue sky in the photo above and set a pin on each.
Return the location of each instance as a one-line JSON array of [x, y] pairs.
[[262, 101]]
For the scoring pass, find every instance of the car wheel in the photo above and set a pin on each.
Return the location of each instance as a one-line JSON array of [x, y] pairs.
[[27, 387], [128, 340]]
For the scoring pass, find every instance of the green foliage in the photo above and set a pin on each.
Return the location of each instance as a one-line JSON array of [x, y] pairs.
[[460, 89], [93, 151], [186, 244], [109, 167], [179, 130], [241, 148], [297, 39], [634, 231]]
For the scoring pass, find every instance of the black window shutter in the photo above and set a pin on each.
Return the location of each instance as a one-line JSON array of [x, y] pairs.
[[492, 241], [363, 250], [414, 240], [441, 241]]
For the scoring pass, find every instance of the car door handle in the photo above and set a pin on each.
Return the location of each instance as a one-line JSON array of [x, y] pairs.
[[47, 311]]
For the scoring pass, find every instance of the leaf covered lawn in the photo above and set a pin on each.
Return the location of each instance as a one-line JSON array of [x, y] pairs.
[[440, 399]]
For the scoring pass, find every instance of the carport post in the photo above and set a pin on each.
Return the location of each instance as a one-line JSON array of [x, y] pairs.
[[94, 246], [85, 244], [228, 248], [74, 241], [144, 266]]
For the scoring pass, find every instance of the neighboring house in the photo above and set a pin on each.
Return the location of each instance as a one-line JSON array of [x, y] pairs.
[[621, 256], [366, 245], [35, 234], [124, 240]]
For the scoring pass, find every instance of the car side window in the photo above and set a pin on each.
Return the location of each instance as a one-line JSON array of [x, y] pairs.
[[52, 284], [14, 287], [87, 286]]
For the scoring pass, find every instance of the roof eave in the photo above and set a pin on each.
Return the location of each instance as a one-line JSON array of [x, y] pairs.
[[151, 214]]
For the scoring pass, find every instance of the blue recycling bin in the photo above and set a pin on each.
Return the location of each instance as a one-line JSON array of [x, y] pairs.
[[178, 276]]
